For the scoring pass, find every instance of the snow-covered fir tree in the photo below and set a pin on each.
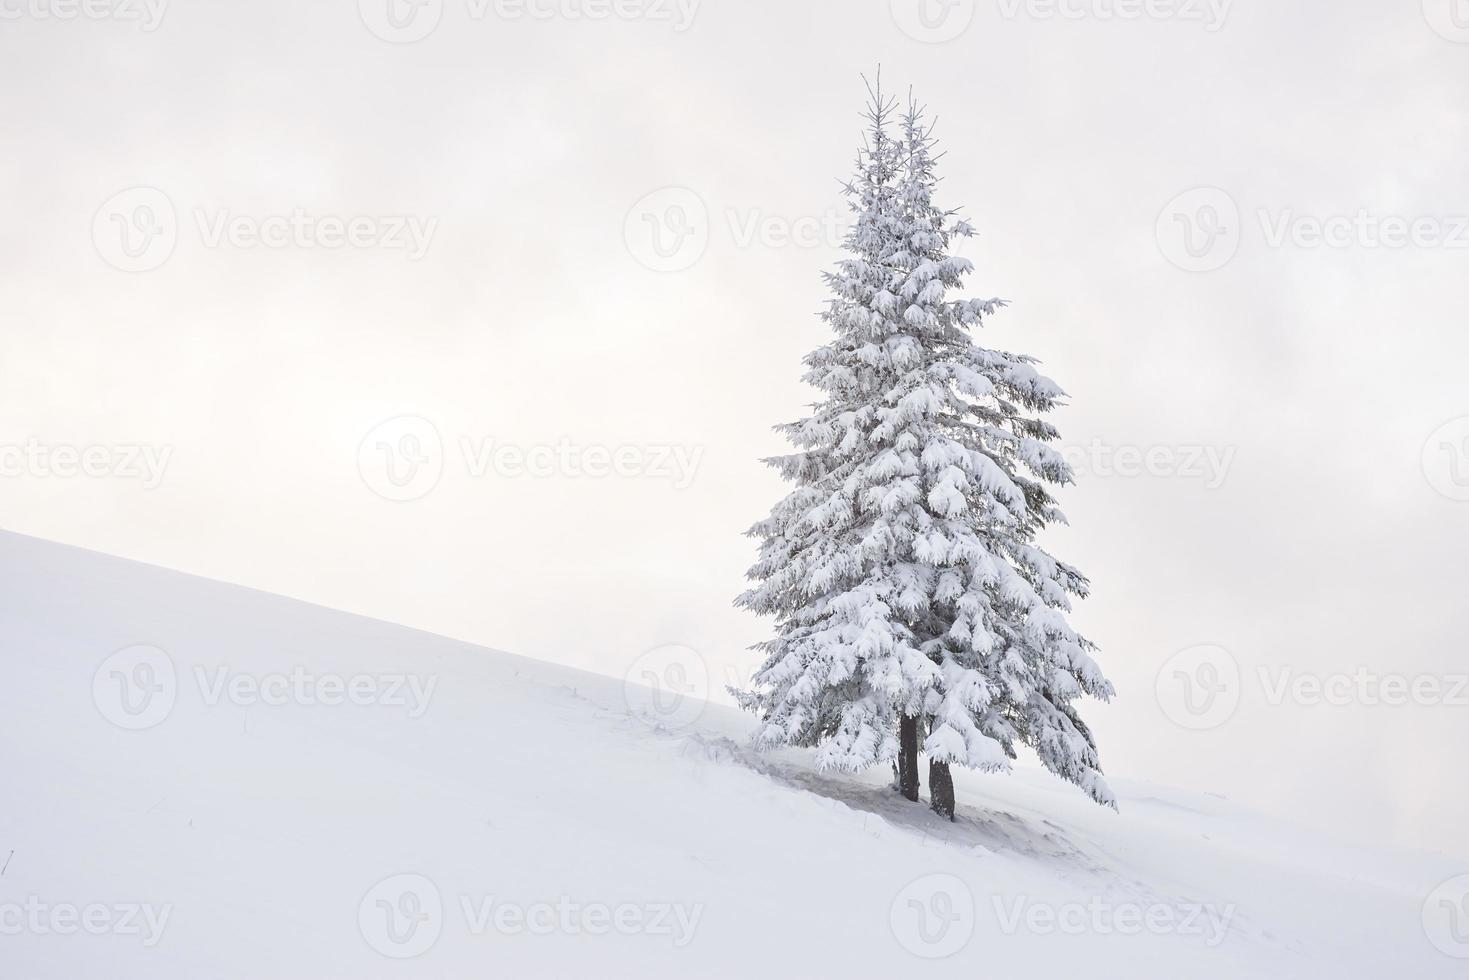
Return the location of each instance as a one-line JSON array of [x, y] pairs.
[[902, 569]]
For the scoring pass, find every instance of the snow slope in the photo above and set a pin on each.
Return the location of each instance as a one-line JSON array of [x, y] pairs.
[[522, 819]]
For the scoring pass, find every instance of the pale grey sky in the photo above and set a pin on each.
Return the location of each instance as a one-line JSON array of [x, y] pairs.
[[240, 238]]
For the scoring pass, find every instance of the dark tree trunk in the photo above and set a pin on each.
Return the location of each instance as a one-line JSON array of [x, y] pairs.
[[941, 788], [908, 757]]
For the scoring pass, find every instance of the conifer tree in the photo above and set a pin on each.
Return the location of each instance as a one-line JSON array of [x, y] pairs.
[[902, 569]]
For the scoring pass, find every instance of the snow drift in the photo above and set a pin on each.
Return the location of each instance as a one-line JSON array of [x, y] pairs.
[[202, 781]]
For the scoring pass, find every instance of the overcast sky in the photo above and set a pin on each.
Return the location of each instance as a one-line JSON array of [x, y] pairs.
[[475, 316]]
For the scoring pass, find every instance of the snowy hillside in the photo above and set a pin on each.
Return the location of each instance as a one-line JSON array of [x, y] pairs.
[[202, 781]]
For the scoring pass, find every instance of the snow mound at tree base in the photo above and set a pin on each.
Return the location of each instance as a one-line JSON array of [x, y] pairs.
[[509, 817]]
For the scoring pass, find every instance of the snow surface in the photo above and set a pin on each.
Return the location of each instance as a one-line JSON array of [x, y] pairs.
[[538, 808]]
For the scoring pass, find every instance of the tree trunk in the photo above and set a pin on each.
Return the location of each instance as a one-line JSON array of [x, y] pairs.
[[941, 788], [908, 757]]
